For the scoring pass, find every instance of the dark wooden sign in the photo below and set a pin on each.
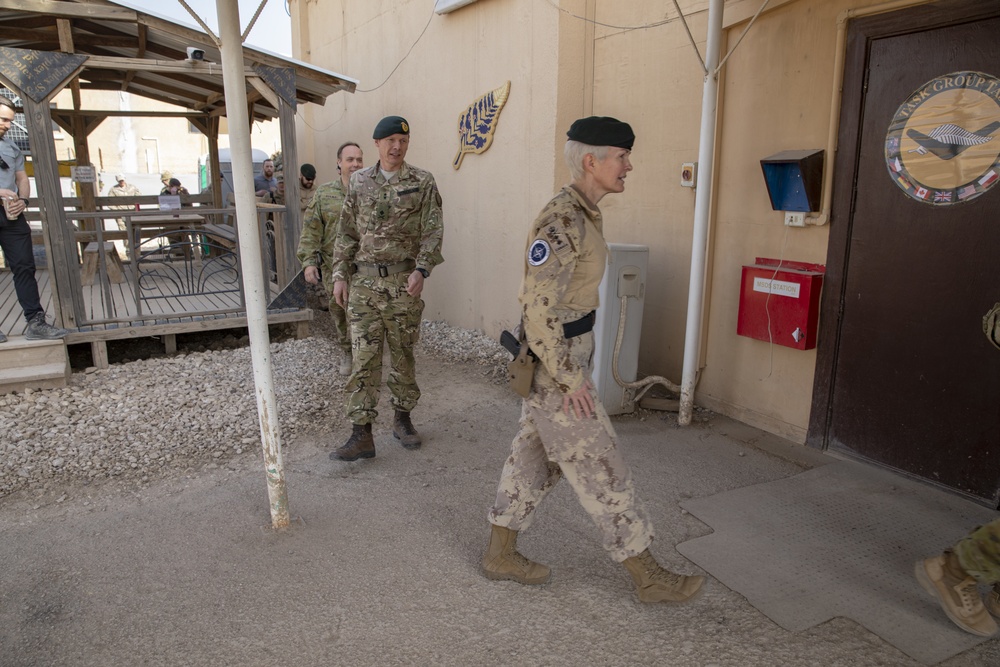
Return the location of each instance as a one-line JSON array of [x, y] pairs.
[[35, 74], [281, 79]]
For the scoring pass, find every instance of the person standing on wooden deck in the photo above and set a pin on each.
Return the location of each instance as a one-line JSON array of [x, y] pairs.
[[265, 183], [319, 231], [390, 232], [123, 189], [15, 234]]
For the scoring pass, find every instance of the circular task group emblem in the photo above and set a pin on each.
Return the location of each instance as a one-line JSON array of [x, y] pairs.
[[943, 144]]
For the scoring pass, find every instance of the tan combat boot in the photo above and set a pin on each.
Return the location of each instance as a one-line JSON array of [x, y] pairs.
[[956, 592], [361, 445], [655, 584], [502, 561], [403, 430]]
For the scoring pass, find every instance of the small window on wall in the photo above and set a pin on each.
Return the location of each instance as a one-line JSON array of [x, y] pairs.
[[192, 129]]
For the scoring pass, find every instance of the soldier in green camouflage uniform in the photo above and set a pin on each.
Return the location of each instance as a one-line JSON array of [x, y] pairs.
[[954, 578], [319, 232], [564, 429], [390, 231]]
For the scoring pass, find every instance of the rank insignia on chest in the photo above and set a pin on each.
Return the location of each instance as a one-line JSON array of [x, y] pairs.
[[560, 245], [538, 253], [382, 210]]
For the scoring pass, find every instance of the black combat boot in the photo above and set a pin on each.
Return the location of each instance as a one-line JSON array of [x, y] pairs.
[[360, 445], [402, 430]]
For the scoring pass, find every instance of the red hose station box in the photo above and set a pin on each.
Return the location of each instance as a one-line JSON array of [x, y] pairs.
[[779, 302]]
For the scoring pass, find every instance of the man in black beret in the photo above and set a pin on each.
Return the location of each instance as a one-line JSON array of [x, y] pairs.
[[564, 429], [307, 179], [390, 233]]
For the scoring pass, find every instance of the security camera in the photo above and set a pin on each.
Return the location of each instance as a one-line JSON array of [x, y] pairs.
[[194, 53]]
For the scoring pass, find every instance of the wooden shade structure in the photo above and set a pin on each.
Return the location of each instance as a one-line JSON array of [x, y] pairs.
[[46, 45]]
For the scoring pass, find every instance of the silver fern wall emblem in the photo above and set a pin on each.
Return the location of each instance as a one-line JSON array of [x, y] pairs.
[[477, 124]]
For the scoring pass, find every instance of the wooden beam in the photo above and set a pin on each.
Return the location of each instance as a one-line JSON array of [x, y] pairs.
[[70, 9], [38, 37], [197, 68], [63, 121], [293, 216], [60, 244], [65, 30], [264, 90], [69, 113], [140, 52]]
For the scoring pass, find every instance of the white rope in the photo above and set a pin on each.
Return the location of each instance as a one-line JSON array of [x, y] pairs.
[[742, 35], [253, 20], [218, 42]]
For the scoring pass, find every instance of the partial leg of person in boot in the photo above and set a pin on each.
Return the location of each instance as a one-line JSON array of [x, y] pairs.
[[502, 560], [992, 601], [656, 584], [361, 445], [956, 591], [404, 431]]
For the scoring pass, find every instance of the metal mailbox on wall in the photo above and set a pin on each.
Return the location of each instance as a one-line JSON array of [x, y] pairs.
[[779, 302]]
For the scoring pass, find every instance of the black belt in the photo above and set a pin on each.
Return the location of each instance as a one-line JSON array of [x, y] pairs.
[[581, 326], [384, 270]]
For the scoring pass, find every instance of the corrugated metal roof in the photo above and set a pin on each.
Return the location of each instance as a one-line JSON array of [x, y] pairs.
[[102, 28]]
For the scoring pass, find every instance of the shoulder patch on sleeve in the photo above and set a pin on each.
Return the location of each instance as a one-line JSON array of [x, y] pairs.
[[538, 253]]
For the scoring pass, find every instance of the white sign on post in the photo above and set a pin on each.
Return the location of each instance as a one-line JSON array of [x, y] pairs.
[[83, 174], [169, 202]]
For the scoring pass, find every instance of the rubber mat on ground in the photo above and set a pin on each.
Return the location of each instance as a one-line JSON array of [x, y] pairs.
[[838, 540]]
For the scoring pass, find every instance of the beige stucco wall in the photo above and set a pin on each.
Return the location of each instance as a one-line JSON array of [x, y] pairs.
[[775, 95]]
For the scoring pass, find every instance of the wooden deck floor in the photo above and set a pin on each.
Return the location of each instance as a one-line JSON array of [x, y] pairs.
[[216, 306]]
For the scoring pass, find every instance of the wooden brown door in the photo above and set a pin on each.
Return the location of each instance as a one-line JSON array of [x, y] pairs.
[[906, 377]]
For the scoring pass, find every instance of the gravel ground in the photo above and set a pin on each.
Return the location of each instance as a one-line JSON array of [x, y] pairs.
[[152, 417]]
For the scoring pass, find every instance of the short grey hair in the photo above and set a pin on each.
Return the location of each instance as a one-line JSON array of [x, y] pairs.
[[575, 151]]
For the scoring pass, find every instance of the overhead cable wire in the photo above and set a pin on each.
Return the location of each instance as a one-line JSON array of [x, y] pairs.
[[370, 90]]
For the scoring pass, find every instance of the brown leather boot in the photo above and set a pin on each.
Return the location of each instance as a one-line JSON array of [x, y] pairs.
[[502, 561], [403, 430], [655, 584], [361, 445], [957, 592]]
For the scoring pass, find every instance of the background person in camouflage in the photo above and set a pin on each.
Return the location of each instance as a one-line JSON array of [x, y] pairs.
[[390, 230], [564, 429], [954, 578], [123, 189], [319, 232], [307, 182]]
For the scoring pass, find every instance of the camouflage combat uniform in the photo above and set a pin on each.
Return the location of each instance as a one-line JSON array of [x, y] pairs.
[[128, 191], [566, 259], [397, 225], [979, 553], [319, 230]]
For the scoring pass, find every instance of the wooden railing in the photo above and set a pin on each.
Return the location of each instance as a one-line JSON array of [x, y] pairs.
[[189, 266]]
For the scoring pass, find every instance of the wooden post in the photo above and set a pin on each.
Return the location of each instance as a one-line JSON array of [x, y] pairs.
[[292, 229], [60, 241]]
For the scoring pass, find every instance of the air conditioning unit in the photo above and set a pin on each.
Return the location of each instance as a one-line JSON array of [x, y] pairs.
[[625, 276]]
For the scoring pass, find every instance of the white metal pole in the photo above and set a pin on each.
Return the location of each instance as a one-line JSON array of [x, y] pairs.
[[703, 199], [254, 288]]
